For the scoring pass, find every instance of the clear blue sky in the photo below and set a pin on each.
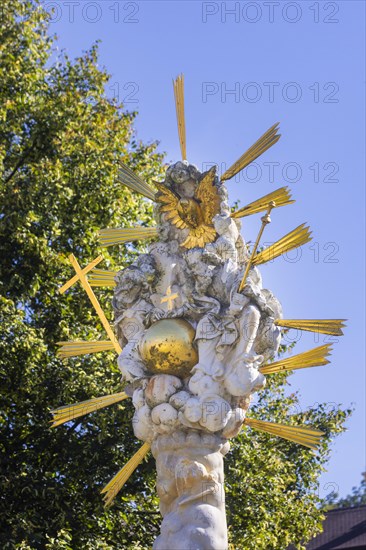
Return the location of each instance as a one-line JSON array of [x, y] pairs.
[[300, 63]]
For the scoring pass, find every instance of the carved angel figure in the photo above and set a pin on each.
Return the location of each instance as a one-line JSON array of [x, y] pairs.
[[191, 206]]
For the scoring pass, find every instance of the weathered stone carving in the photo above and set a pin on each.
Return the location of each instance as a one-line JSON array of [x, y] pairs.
[[189, 413]]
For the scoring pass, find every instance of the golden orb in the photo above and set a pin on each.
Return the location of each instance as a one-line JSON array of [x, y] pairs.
[[167, 347]]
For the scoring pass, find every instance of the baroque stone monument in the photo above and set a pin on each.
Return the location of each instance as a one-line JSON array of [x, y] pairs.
[[196, 336], [192, 348]]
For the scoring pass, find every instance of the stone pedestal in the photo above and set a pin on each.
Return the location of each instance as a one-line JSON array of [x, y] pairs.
[[190, 485]]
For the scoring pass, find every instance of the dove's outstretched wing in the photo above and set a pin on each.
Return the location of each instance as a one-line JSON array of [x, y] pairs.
[[170, 204], [208, 196], [209, 202]]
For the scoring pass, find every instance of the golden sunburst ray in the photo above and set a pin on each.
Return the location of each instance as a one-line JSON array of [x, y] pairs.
[[110, 237], [268, 139], [178, 85], [309, 437], [70, 412], [102, 277], [281, 197], [298, 237], [116, 483], [315, 357], [128, 178], [324, 326], [83, 347]]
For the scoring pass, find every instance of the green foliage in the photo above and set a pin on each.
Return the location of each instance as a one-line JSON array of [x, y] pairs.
[[61, 140], [356, 498], [272, 484]]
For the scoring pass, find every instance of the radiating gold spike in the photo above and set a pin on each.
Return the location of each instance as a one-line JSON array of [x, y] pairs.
[[312, 358], [72, 349], [298, 237], [116, 483], [128, 178], [109, 237], [102, 277], [93, 404], [324, 326], [308, 432], [295, 432], [268, 139], [178, 85], [70, 412], [309, 437], [281, 197]]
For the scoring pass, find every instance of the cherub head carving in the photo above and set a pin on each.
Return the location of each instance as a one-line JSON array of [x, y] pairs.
[[181, 171], [183, 178], [133, 282]]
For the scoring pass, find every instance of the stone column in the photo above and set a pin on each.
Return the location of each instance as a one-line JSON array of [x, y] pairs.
[[190, 485]]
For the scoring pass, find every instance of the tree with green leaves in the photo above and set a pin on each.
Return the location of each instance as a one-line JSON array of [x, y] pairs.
[[61, 142], [356, 498]]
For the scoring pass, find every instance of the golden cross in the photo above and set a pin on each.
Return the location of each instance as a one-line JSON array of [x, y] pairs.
[[80, 276], [169, 297], [84, 271]]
